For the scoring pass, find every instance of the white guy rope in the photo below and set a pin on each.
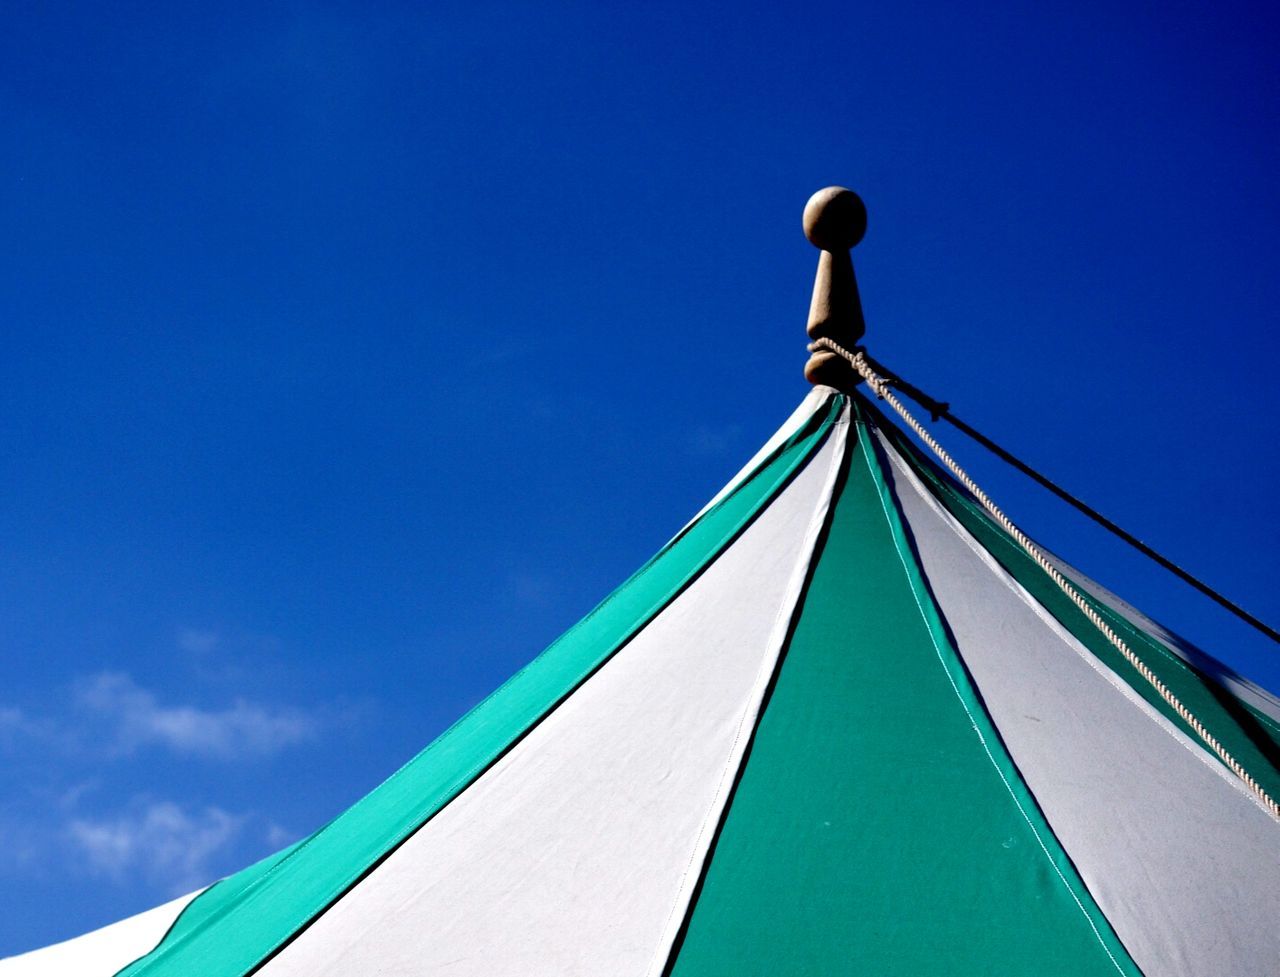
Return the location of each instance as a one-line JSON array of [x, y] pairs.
[[880, 387]]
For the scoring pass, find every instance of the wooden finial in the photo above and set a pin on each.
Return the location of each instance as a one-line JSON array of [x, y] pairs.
[[834, 221]]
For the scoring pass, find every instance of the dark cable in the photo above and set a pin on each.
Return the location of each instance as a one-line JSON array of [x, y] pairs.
[[940, 409]]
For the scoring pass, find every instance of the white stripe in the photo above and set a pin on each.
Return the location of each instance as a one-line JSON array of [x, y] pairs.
[[1132, 799], [102, 952], [576, 852], [837, 449]]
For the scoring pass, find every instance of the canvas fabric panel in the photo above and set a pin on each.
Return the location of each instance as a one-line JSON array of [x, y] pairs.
[[1238, 727], [229, 937], [569, 855], [1182, 860], [102, 952], [878, 827]]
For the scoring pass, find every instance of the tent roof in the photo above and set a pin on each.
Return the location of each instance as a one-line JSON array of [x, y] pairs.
[[838, 722]]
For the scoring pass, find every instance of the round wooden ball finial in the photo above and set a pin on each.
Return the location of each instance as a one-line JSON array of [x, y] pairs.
[[835, 219]]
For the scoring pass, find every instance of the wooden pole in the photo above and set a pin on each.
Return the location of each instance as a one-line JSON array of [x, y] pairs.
[[835, 219]]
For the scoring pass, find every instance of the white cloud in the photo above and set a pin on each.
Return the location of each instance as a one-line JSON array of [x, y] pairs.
[[17, 725], [168, 845], [13, 723], [198, 642], [279, 837], [55, 783], [139, 719], [20, 844], [705, 441], [532, 589]]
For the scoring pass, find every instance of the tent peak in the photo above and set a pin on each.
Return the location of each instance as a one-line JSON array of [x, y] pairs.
[[835, 219]]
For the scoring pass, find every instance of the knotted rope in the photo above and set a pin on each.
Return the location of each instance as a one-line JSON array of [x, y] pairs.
[[880, 386]]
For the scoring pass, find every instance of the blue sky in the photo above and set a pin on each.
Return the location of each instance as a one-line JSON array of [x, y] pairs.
[[352, 352]]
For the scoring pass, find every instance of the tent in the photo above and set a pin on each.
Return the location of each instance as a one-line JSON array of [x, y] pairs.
[[839, 724]]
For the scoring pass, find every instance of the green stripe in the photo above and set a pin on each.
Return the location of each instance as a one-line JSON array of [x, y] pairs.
[[218, 897], [879, 827], [235, 925], [1247, 734]]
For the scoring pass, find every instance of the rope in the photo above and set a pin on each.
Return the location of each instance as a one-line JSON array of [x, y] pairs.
[[941, 410], [880, 386]]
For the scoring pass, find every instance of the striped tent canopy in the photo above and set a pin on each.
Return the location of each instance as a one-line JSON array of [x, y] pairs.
[[838, 725]]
